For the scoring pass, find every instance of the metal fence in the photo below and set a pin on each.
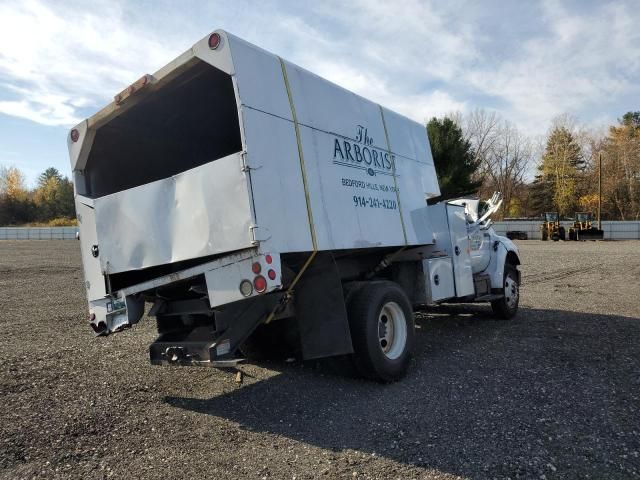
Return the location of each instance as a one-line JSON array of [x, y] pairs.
[[38, 233], [613, 230]]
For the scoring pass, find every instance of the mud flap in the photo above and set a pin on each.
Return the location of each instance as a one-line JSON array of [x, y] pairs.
[[321, 311]]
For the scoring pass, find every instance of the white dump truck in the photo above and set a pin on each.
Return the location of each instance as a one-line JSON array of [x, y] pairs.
[[255, 205]]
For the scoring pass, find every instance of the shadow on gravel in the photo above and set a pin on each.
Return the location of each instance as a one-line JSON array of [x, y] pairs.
[[551, 391]]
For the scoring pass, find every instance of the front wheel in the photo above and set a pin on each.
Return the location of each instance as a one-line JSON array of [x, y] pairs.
[[507, 307], [382, 330]]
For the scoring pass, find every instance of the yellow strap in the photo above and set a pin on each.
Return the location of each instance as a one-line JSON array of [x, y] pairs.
[[395, 182], [303, 170], [305, 185]]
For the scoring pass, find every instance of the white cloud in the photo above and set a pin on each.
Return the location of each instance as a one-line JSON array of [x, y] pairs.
[[585, 61], [421, 58], [59, 59]]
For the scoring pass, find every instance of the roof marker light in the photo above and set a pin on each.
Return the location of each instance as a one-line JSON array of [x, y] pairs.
[[75, 135]]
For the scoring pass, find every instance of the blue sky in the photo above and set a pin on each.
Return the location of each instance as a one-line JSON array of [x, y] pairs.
[[62, 60]]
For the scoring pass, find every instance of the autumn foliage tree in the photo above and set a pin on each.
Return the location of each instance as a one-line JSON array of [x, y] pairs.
[[621, 169], [561, 168], [51, 199]]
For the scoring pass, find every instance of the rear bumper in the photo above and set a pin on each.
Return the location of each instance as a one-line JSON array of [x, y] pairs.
[[223, 278]]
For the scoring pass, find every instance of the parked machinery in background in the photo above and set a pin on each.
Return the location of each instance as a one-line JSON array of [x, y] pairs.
[[551, 228], [583, 228]]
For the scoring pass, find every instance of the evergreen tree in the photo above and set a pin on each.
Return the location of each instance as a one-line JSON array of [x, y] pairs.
[[453, 159], [541, 196], [47, 175]]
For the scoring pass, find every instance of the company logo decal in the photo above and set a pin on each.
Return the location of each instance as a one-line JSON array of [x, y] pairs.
[[361, 154]]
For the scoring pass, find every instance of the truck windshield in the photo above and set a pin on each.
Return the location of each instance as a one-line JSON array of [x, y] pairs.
[[190, 121]]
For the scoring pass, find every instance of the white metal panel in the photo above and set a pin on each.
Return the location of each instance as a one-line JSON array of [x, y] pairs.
[[439, 281], [440, 224], [223, 284], [410, 178], [202, 211], [94, 281], [259, 76], [462, 268], [408, 138], [220, 57], [348, 163], [276, 182], [326, 106], [351, 207], [79, 150]]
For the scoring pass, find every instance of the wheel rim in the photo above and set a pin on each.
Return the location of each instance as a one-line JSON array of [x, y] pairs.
[[392, 330], [511, 291]]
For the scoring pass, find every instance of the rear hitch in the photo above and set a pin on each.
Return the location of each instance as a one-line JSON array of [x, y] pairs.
[[175, 354], [213, 344]]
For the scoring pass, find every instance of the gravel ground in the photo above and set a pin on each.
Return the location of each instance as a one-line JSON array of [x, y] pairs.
[[554, 393]]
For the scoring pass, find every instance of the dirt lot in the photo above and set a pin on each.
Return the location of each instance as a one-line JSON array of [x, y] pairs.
[[553, 394]]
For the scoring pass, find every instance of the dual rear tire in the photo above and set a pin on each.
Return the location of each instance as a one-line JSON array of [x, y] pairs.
[[382, 330]]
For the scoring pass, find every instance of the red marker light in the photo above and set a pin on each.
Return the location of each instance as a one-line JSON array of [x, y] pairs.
[[260, 283], [268, 259], [75, 135], [271, 274], [214, 41], [256, 268]]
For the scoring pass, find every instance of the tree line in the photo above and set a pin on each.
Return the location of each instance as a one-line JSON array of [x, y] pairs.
[[475, 154], [479, 152], [50, 202]]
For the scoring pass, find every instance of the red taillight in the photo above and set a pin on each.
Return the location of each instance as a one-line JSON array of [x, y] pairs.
[[256, 268], [260, 283], [214, 41], [268, 259], [75, 135], [271, 274]]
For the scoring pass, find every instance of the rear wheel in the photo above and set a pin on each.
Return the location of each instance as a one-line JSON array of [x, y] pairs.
[[382, 330], [507, 307]]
